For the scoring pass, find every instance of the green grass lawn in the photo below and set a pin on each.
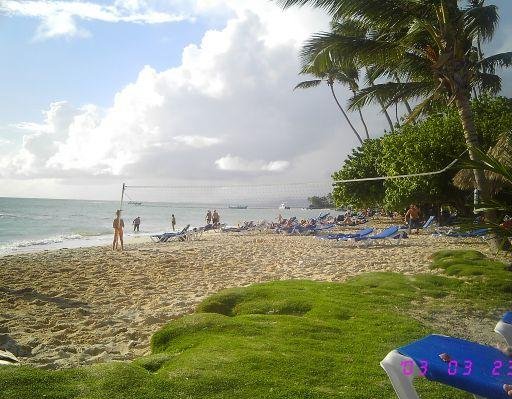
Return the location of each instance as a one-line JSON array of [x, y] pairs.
[[291, 339]]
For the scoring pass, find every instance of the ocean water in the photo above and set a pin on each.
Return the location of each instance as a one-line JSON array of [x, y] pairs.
[[28, 225]]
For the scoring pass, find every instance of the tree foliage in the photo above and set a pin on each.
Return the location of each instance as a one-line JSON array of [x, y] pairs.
[[325, 202], [429, 145], [363, 162]]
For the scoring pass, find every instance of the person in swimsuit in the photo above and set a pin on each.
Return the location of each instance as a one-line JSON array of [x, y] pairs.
[[173, 222], [208, 217], [118, 225], [136, 223], [412, 217], [215, 218]]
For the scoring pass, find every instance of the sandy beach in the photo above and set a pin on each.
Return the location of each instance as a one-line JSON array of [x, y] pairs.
[[80, 306]]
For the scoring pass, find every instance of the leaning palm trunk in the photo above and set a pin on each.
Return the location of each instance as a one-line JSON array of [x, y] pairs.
[[481, 183], [385, 112], [362, 119], [345, 114], [406, 103], [364, 123], [381, 103]]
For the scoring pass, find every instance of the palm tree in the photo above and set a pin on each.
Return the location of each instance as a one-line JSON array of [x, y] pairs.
[[353, 28], [346, 74], [330, 76], [426, 43]]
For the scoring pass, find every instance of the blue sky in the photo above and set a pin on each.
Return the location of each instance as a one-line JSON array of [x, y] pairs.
[[187, 78]]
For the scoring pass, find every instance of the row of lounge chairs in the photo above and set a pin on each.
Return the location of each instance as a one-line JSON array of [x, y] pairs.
[[315, 226], [478, 369]]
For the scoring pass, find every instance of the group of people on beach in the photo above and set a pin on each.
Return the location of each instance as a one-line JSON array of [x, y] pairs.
[[212, 218], [118, 226]]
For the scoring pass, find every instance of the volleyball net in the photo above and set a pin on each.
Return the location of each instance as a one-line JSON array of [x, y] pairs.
[[266, 195]]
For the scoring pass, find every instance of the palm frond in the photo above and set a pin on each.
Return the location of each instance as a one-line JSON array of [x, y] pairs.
[[481, 21], [501, 60], [488, 162], [488, 82], [425, 105], [356, 49], [390, 93], [390, 13], [308, 84]]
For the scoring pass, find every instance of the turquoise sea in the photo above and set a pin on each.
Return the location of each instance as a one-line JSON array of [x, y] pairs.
[[28, 225]]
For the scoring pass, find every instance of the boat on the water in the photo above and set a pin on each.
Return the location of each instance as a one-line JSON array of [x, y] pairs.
[[284, 206], [134, 203], [237, 206]]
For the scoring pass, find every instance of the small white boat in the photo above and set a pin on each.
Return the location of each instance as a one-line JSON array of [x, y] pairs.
[[134, 203], [237, 206], [284, 206]]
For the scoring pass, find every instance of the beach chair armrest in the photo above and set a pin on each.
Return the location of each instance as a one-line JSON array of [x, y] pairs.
[[403, 384], [505, 330]]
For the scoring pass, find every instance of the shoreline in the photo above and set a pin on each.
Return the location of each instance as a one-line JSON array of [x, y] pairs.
[[74, 307], [35, 246]]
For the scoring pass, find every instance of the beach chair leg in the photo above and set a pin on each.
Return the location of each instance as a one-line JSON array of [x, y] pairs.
[[505, 330], [402, 383]]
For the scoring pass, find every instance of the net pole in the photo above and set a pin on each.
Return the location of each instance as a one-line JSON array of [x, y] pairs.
[[122, 197]]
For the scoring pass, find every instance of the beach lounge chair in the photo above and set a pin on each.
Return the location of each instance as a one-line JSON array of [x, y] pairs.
[[473, 233], [463, 234], [478, 369], [429, 223], [386, 234], [170, 236], [346, 236]]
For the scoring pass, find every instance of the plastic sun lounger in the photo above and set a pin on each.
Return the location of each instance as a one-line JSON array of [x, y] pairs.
[[478, 369], [474, 233], [344, 236], [390, 232], [429, 222], [166, 236]]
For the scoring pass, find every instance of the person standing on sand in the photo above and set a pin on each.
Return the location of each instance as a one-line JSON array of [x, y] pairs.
[[136, 223], [215, 218], [173, 222], [412, 217], [118, 225], [209, 217]]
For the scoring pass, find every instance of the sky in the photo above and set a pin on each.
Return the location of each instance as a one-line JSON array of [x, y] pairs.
[[167, 92]]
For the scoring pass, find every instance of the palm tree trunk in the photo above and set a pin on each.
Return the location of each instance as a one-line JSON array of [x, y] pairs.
[[364, 123], [385, 112], [344, 114], [406, 103], [362, 120], [466, 116]]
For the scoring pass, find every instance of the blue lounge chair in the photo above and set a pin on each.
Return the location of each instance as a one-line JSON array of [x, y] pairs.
[[428, 224], [479, 369], [346, 236], [468, 234], [170, 236], [390, 232], [299, 229], [323, 216]]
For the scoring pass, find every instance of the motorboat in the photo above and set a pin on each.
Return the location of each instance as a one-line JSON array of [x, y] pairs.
[[284, 206]]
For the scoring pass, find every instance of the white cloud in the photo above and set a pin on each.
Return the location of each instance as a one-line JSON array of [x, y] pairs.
[[231, 94], [237, 164], [59, 18], [197, 141]]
